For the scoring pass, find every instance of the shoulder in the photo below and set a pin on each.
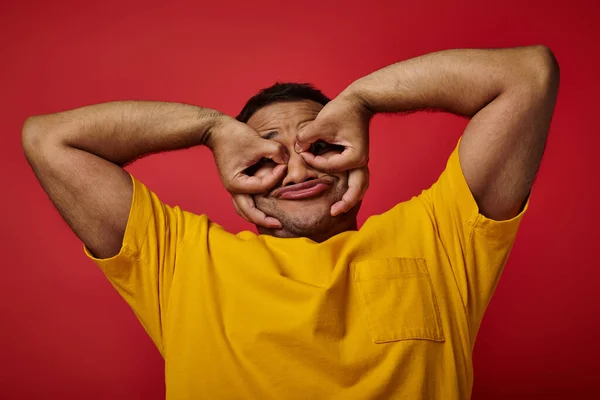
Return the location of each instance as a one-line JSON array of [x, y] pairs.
[[410, 215]]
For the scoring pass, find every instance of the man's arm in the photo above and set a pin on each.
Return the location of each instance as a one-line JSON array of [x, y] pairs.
[[510, 95], [77, 156]]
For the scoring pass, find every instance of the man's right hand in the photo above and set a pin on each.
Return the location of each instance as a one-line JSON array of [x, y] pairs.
[[237, 147]]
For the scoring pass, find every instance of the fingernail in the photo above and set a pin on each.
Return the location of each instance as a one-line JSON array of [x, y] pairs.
[[273, 223], [298, 148]]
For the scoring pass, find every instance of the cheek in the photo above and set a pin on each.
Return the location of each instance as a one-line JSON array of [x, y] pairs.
[[265, 204], [264, 170], [342, 180]]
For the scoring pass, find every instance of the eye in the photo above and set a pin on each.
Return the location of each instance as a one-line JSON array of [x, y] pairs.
[[320, 147]]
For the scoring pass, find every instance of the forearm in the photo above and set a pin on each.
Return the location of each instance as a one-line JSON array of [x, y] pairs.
[[457, 81], [123, 131]]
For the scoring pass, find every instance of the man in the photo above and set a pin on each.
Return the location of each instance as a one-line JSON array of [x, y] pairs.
[[312, 307]]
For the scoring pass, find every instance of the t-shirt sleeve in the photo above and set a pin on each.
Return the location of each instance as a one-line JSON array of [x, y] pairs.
[[478, 247], [143, 269]]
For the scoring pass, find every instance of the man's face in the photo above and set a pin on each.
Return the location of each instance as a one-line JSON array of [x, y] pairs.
[[303, 199]]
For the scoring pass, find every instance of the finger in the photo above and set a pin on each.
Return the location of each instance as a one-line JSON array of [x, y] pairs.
[[310, 134], [254, 215], [273, 150], [350, 158], [243, 183], [238, 210], [358, 183]]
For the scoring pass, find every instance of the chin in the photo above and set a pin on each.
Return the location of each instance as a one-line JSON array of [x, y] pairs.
[[306, 213], [307, 224], [310, 219]]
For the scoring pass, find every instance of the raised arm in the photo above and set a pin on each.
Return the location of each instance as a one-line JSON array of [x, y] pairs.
[[77, 156], [510, 95]]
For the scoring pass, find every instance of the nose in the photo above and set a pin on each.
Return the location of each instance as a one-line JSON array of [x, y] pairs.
[[298, 171]]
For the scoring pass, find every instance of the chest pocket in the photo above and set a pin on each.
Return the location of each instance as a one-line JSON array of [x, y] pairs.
[[397, 299]]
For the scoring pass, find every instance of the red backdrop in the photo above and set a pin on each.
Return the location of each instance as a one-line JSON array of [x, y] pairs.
[[66, 334]]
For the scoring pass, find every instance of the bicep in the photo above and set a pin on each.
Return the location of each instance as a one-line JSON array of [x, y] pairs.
[[92, 195], [502, 146]]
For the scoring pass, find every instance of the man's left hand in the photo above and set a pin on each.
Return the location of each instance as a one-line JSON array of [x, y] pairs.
[[345, 122]]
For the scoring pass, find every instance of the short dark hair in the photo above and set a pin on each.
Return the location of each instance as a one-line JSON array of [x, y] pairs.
[[281, 92]]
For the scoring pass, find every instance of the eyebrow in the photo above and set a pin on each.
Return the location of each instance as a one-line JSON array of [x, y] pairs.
[[271, 135]]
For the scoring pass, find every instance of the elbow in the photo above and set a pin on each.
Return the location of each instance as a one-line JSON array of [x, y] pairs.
[[546, 72], [31, 134], [38, 133]]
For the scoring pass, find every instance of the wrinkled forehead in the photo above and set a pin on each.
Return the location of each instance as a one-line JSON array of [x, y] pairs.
[[286, 116]]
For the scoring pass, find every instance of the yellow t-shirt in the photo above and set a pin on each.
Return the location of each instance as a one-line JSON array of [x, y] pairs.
[[387, 312]]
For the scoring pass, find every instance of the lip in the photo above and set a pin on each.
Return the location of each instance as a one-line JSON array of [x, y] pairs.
[[302, 190]]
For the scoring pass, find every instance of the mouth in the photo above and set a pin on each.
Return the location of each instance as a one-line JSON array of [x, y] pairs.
[[304, 190]]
